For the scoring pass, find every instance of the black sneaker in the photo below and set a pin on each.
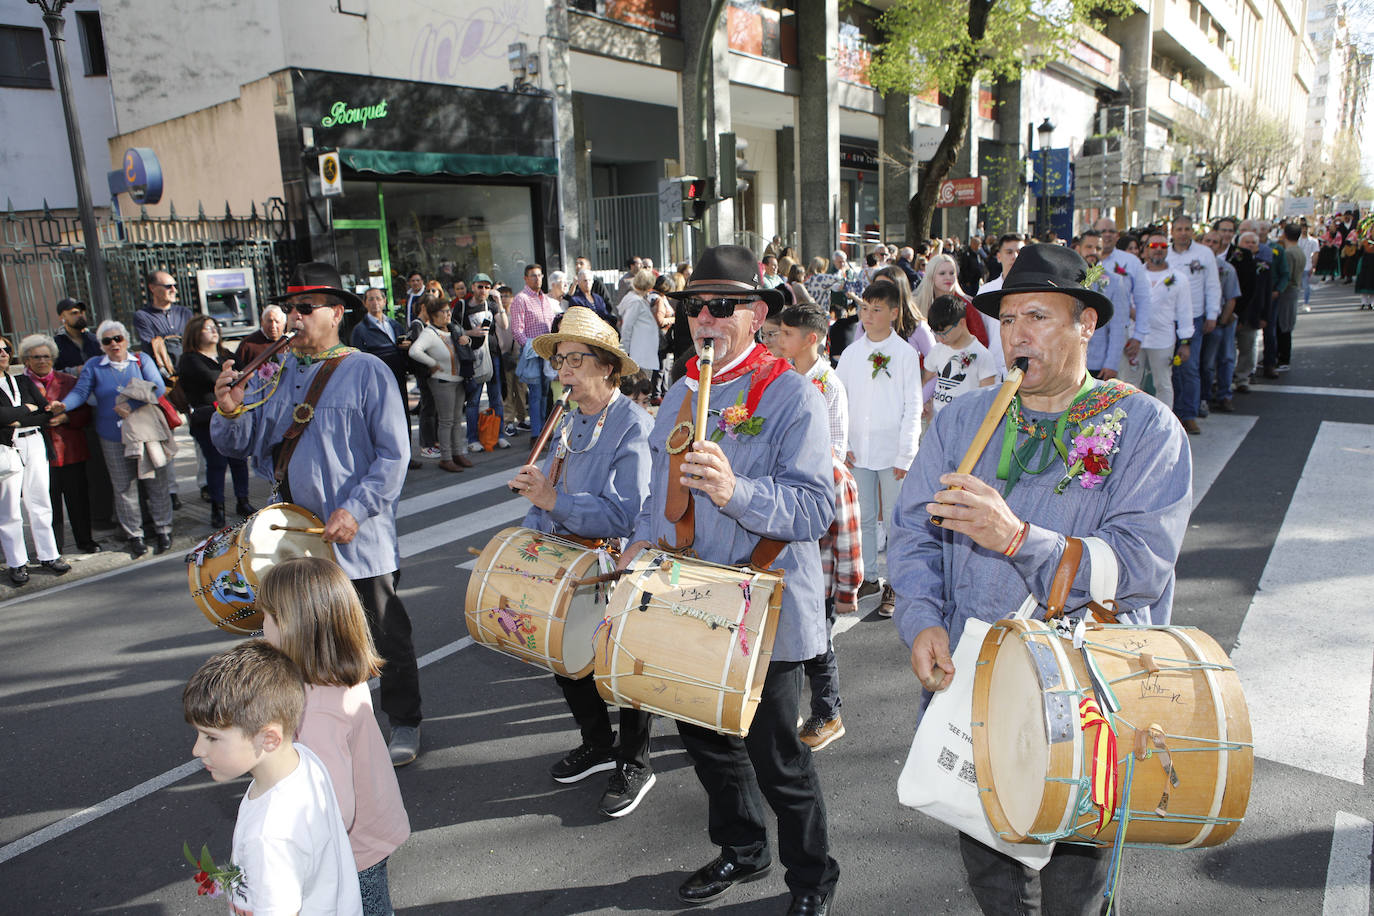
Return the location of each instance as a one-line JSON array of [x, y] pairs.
[[582, 762], [627, 786], [868, 587], [57, 567]]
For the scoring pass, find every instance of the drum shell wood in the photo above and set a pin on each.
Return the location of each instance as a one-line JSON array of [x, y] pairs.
[[1203, 710], [225, 570], [663, 659], [522, 600]]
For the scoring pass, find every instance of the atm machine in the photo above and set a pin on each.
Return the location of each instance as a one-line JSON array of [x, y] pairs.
[[229, 296]]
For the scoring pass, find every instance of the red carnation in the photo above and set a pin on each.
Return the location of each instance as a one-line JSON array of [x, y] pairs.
[[1095, 464]]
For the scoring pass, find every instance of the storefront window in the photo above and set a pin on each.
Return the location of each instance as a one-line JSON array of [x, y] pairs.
[[448, 231]]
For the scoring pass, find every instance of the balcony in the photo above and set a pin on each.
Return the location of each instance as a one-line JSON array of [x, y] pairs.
[[1178, 37]]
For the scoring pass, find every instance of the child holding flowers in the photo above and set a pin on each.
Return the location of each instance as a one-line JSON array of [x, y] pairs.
[[311, 612], [882, 376]]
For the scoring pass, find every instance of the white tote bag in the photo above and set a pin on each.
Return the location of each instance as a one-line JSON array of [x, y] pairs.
[[939, 778]]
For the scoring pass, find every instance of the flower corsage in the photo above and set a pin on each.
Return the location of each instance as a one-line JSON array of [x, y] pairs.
[[966, 359], [736, 421], [1093, 446], [880, 363], [212, 880]]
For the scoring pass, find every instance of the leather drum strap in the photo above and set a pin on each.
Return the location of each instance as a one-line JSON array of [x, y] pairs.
[[301, 416], [677, 508], [1063, 578]]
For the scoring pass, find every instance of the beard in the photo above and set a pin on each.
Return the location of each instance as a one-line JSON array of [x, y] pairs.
[[80, 324]]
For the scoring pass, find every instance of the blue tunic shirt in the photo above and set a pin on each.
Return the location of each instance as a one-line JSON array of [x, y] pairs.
[[601, 489], [1140, 509], [784, 489], [353, 455], [105, 382]]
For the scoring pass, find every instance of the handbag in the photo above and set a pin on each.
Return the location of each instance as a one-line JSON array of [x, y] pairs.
[[170, 412], [530, 368], [10, 462], [488, 428]]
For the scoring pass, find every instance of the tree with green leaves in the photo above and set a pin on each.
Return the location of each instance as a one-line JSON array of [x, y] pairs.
[[1240, 140], [948, 44]]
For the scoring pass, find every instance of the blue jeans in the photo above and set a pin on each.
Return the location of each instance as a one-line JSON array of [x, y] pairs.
[[215, 464], [493, 400], [1306, 286], [1187, 382], [537, 395], [1219, 362]]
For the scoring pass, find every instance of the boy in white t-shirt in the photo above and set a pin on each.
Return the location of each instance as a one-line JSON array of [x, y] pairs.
[[291, 852], [957, 362], [882, 376]]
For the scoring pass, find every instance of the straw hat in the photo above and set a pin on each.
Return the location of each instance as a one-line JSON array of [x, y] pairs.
[[583, 325]]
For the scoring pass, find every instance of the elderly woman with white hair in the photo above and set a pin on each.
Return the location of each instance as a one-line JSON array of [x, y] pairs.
[[105, 377], [68, 448], [640, 331], [23, 414]]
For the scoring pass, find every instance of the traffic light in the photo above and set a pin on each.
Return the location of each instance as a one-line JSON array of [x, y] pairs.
[[696, 197]]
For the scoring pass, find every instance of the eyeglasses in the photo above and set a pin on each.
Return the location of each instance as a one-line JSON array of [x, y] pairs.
[[719, 308], [942, 333], [1157, 245], [117, 338], [165, 285], [574, 360], [38, 355], [304, 308]]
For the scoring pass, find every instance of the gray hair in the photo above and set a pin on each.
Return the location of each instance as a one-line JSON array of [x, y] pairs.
[[107, 326], [643, 280], [558, 277], [584, 273], [34, 341], [1241, 237], [278, 310]]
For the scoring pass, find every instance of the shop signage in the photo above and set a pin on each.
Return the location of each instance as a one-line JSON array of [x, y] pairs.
[[331, 180], [858, 157], [1299, 206], [340, 113], [962, 192], [142, 175], [928, 141]]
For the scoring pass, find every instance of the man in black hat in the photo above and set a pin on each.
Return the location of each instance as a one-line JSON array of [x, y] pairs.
[[769, 476], [1005, 526], [332, 436]]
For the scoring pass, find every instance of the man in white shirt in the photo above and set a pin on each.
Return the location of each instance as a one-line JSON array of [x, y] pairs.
[[1165, 322], [1308, 246], [1196, 263], [1123, 264], [1008, 247]]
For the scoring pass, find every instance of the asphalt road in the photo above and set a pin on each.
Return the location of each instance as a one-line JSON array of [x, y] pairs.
[[91, 673]]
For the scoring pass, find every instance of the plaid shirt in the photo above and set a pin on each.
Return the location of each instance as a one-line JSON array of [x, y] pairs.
[[842, 559]]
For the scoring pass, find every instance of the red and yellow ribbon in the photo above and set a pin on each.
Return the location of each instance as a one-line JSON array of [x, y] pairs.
[[1102, 761]]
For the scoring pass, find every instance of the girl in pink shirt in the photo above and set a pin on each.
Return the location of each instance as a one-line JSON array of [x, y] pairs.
[[312, 613]]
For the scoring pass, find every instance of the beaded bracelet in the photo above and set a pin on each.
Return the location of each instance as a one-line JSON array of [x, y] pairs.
[[230, 414], [1017, 540]]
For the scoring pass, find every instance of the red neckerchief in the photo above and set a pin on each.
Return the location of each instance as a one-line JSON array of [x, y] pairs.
[[41, 381], [766, 368]]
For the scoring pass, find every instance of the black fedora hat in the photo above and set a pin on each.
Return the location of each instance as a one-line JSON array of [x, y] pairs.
[[728, 270], [1047, 268], [320, 277]]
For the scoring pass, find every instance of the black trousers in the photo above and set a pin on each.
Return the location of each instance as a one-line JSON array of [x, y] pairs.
[[1071, 884], [390, 625], [772, 763], [593, 718], [98, 480], [68, 484]]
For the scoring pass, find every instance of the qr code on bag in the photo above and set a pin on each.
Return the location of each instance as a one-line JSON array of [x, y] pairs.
[[968, 774], [947, 759]]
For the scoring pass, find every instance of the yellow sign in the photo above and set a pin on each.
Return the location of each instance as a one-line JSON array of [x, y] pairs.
[[331, 177]]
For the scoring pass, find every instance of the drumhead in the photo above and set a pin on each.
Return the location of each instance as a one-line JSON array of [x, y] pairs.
[[579, 626], [266, 547], [1018, 745]]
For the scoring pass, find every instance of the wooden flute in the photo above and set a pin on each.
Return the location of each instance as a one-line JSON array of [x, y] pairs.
[[559, 407], [704, 369], [990, 421], [281, 343]]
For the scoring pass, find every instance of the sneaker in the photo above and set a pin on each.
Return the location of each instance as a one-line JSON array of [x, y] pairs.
[[57, 567], [627, 787], [886, 601], [523, 424], [1202, 410], [818, 733], [582, 762], [868, 587], [1283, 367], [430, 452], [19, 575], [510, 428], [503, 442], [475, 447], [404, 746]]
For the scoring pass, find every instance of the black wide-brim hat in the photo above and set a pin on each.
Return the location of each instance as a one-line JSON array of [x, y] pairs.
[[728, 270], [1046, 268], [321, 277]]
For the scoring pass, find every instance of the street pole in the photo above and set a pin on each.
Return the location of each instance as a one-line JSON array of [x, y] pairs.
[[95, 262], [704, 70]]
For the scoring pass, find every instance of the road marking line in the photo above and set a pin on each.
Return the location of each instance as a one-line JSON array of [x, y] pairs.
[[1211, 452], [1320, 392], [457, 528], [1347, 871], [1308, 618]]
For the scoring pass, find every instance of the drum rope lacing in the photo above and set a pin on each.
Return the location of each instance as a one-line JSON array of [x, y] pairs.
[[197, 557]]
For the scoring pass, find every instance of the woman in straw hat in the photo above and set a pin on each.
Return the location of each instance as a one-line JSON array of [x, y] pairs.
[[591, 486]]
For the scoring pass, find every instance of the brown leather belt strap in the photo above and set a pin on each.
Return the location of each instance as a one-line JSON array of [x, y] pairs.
[[677, 508], [301, 416], [1063, 578]]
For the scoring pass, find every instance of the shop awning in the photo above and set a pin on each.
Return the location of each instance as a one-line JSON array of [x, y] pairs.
[[397, 162]]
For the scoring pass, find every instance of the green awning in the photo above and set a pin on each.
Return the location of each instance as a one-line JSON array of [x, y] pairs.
[[397, 162]]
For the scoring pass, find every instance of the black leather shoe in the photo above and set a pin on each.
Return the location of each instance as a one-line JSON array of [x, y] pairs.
[[205, 495], [163, 544], [92, 547], [243, 508], [810, 905], [137, 548], [709, 882], [217, 515]]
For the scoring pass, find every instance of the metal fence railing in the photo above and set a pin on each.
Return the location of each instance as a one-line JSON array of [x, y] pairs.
[[625, 226]]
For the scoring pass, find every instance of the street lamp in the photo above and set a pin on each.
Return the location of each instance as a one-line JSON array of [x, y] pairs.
[[95, 263], [1044, 132]]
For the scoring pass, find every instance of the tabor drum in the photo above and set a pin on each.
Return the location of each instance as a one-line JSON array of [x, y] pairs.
[[690, 640], [523, 600], [1179, 745], [226, 569]]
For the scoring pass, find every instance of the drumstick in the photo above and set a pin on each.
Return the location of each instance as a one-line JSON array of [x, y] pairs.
[[549, 425], [295, 528], [474, 551], [708, 348], [990, 421]]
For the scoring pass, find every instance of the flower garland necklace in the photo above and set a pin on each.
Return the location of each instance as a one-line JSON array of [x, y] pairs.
[[1093, 444]]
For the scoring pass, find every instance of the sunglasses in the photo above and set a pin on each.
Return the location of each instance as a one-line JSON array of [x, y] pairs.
[[165, 285], [1157, 245], [6, 350], [106, 341], [719, 308], [304, 308], [574, 360]]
